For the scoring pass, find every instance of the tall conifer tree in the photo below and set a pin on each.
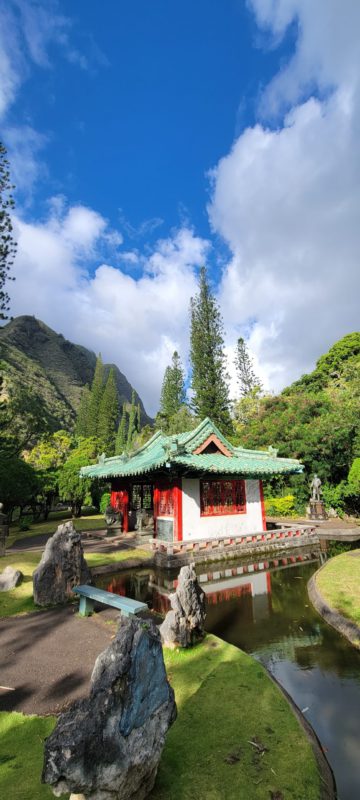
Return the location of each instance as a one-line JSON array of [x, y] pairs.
[[108, 414], [97, 388], [7, 242], [121, 436], [138, 418], [132, 423], [173, 394], [209, 376], [82, 420], [247, 379]]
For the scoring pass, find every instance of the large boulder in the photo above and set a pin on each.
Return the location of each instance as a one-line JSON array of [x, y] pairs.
[[108, 746], [62, 567], [184, 623], [10, 578]]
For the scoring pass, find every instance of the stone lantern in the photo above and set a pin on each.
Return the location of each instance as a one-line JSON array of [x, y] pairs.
[[4, 530]]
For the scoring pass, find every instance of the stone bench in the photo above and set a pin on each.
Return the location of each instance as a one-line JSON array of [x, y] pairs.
[[89, 595]]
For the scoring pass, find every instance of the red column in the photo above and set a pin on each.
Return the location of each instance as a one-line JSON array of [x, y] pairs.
[[178, 527], [120, 501], [262, 505], [156, 505]]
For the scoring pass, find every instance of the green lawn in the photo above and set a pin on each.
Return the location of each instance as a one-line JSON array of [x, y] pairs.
[[339, 584], [225, 701], [89, 522], [20, 600], [21, 756]]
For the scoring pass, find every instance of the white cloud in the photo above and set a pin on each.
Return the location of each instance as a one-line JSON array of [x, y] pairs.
[[29, 30], [287, 200], [136, 323], [24, 145]]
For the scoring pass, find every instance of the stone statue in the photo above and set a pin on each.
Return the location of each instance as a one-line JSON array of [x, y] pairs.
[[112, 516], [315, 487]]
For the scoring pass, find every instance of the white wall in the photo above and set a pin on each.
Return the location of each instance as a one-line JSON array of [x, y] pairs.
[[197, 527]]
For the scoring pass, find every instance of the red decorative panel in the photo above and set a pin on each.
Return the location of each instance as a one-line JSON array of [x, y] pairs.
[[221, 497]]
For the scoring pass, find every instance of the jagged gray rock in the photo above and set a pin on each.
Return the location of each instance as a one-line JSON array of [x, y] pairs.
[[184, 623], [62, 567], [108, 746], [10, 578]]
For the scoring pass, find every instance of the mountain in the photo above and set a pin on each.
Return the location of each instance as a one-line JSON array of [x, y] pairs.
[[34, 356]]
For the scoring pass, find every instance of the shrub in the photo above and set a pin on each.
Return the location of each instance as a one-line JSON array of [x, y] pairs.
[[280, 506], [354, 477], [104, 502], [25, 523], [334, 496]]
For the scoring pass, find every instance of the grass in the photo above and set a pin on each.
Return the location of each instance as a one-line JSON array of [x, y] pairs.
[[98, 559], [21, 756], [91, 522], [225, 700], [339, 584], [20, 600]]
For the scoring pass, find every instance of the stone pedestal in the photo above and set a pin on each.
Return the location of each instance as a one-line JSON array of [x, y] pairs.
[[317, 510], [4, 530]]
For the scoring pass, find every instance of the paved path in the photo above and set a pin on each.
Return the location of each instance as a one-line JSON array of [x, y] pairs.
[[47, 657], [91, 543]]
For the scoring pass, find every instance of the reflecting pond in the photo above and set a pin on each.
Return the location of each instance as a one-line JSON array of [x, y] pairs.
[[263, 607]]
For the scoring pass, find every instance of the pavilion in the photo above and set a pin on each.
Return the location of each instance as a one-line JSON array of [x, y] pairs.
[[194, 485]]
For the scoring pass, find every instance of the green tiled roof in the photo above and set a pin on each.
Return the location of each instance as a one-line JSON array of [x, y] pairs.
[[178, 450]]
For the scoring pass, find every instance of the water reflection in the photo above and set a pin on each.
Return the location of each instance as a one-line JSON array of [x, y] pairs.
[[263, 608]]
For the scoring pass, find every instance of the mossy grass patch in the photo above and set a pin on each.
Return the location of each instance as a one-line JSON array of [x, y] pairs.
[[339, 584]]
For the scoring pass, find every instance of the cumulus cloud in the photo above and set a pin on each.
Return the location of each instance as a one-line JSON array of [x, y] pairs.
[[287, 200], [136, 323]]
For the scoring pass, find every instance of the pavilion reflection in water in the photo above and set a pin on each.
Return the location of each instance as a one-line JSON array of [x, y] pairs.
[[246, 587]]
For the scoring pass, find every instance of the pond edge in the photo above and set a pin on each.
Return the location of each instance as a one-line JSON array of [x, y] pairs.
[[349, 629]]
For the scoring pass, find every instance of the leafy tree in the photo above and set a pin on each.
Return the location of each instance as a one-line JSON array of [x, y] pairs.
[[82, 419], [354, 477], [108, 414], [132, 423], [72, 488], [247, 379], [19, 483], [47, 457], [316, 419], [96, 393], [23, 418], [7, 243], [180, 422], [173, 394], [209, 377], [248, 407], [51, 451], [121, 436]]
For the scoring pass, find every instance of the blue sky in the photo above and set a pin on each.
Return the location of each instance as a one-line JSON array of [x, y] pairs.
[[146, 138], [157, 93]]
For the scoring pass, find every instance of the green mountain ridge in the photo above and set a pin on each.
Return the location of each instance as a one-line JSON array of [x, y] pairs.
[[53, 368]]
